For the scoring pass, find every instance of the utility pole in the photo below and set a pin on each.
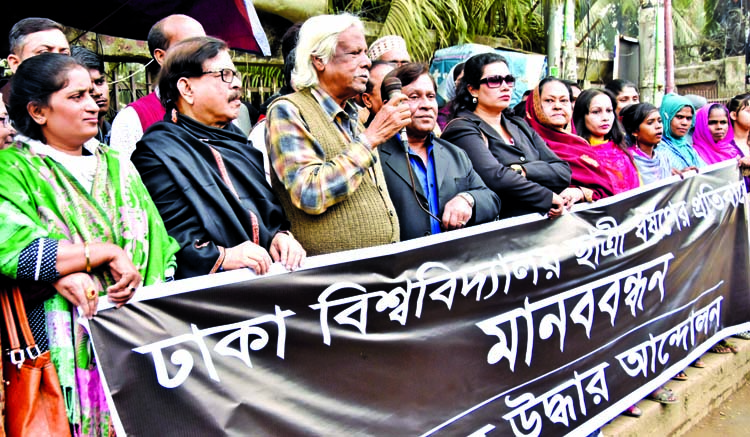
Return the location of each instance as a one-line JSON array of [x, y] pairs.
[[652, 42], [668, 46], [554, 13]]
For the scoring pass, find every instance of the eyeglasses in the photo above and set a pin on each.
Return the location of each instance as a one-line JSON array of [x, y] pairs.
[[5, 121], [496, 81], [227, 74]]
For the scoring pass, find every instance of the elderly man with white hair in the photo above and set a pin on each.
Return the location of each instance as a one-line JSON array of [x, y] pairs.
[[325, 167]]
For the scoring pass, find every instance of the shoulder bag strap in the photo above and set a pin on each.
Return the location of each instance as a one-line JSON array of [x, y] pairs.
[[32, 351], [15, 352]]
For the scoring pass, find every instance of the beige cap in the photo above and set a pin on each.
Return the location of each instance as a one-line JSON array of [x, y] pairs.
[[385, 44]]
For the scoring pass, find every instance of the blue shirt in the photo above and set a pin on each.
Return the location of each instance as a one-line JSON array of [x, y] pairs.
[[427, 179]]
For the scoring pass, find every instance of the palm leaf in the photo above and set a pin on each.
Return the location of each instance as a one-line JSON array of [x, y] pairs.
[[417, 20]]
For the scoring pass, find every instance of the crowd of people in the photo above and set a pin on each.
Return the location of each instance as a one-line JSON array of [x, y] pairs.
[[348, 155]]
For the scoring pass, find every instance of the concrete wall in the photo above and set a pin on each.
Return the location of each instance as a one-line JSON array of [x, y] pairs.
[[594, 67], [728, 74]]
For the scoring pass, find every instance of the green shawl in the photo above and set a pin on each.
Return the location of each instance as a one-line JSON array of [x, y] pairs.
[[39, 198]]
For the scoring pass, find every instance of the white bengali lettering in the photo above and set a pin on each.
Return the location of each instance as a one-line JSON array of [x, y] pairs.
[[184, 360]]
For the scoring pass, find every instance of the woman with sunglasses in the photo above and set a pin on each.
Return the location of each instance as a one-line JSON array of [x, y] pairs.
[[78, 225], [511, 159], [549, 113]]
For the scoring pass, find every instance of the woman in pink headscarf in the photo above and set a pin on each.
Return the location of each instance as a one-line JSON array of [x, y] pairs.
[[714, 138], [713, 134]]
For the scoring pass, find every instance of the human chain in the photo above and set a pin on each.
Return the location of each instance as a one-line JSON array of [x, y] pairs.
[[630, 283]]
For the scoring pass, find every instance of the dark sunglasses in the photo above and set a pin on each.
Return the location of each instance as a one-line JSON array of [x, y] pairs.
[[496, 81]]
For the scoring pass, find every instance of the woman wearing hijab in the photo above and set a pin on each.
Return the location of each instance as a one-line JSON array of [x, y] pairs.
[[677, 116], [714, 135]]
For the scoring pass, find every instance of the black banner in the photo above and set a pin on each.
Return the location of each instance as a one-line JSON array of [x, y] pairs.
[[525, 327]]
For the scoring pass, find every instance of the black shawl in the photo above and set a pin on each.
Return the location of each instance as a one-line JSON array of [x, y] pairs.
[[180, 165]]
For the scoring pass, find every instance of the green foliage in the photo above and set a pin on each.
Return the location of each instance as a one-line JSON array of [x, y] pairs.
[[427, 25], [5, 68], [697, 35], [266, 76], [723, 30], [520, 21], [598, 22]]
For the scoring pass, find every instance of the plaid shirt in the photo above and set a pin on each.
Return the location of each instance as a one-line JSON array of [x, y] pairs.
[[313, 183]]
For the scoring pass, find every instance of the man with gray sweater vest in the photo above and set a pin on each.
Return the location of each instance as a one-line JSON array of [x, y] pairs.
[[325, 165]]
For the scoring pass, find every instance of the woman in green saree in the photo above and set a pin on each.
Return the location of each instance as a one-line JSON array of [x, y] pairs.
[[75, 216]]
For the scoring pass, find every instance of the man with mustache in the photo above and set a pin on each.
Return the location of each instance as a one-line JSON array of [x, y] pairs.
[[204, 177], [431, 181], [325, 166]]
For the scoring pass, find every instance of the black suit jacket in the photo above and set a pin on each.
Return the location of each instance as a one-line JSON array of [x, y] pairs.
[[454, 175], [545, 171]]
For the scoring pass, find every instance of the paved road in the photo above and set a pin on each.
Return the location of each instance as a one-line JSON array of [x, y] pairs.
[[730, 419]]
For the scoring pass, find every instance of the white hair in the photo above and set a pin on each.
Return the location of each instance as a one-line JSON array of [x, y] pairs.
[[319, 37]]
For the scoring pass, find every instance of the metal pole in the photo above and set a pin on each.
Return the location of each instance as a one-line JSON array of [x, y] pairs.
[[668, 47]]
